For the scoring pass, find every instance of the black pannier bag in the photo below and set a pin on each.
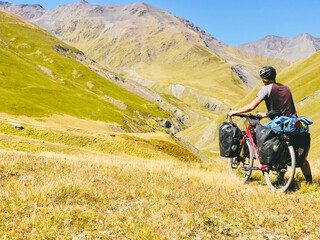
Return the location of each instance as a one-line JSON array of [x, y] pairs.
[[269, 145], [229, 139], [301, 145]]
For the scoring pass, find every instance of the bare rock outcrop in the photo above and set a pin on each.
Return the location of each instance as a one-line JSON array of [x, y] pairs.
[[181, 92], [245, 75]]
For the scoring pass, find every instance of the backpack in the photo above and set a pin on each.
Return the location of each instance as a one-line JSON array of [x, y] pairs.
[[269, 145], [229, 139]]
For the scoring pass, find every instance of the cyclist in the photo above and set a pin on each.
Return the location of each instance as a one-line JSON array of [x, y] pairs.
[[278, 98]]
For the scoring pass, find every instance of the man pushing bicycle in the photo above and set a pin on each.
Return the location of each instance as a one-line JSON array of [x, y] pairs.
[[278, 99]]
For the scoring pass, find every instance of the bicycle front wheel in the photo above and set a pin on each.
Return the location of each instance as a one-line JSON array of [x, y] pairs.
[[280, 175], [241, 167]]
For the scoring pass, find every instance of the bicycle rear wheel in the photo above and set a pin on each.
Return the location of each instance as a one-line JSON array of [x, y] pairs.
[[280, 175], [240, 167]]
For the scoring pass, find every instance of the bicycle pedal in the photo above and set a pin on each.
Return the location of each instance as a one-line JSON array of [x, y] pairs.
[[254, 168], [283, 170], [251, 168]]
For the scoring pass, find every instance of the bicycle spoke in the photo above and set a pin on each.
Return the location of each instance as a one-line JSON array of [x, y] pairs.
[[240, 167]]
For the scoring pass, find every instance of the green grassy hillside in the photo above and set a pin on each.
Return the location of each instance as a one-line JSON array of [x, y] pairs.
[[165, 54], [168, 58], [146, 43], [152, 50], [303, 78], [160, 51], [37, 81]]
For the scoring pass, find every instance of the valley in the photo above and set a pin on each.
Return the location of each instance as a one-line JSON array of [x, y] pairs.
[[199, 76]]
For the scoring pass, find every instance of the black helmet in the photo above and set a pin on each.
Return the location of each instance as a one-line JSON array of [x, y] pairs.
[[268, 72]]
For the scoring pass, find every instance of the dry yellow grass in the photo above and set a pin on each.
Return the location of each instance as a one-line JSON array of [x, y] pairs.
[[59, 188], [97, 196]]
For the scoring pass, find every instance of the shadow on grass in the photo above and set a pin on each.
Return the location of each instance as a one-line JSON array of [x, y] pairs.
[[300, 184], [296, 185]]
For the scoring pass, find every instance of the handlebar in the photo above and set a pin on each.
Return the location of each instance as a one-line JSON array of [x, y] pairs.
[[250, 116], [254, 120]]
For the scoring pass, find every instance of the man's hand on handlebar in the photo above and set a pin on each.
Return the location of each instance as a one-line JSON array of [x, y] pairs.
[[231, 113]]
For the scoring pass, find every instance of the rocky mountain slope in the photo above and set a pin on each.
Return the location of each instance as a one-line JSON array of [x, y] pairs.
[[156, 49], [289, 49]]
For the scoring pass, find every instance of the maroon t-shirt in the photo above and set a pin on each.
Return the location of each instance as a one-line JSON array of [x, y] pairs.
[[278, 97]]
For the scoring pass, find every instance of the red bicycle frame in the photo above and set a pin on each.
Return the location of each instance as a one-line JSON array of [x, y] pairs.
[[249, 134]]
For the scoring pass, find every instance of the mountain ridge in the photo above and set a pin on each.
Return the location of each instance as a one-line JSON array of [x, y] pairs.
[[28, 11], [289, 49]]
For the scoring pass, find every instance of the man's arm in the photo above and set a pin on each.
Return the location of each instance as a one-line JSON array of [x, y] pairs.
[[247, 108]]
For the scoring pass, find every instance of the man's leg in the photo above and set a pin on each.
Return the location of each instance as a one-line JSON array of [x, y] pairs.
[[306, 170]]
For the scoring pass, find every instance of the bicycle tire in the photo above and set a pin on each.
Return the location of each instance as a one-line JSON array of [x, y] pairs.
[[280, 176], [244, 160]]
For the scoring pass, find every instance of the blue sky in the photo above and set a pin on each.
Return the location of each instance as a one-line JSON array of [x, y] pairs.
[[231, 21]]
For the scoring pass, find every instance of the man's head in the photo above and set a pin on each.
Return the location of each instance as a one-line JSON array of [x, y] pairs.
[[268, 74]]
